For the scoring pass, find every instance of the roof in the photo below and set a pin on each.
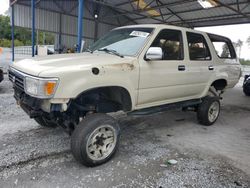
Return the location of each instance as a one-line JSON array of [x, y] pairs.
[[187, 13], [160, 26], [166, 26]]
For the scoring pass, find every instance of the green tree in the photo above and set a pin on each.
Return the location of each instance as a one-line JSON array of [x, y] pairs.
[[5, 29], [22, 35], [239, 44]]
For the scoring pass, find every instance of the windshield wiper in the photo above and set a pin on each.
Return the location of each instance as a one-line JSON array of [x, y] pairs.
[[110, 51]]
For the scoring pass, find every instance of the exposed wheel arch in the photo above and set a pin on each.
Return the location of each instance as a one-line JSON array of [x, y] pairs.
[[219, 84], [106, 99]]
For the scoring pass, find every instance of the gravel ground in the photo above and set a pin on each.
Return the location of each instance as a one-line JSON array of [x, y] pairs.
[[216, 156]]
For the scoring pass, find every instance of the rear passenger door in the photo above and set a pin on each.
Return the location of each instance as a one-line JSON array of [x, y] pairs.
[[200, 65]]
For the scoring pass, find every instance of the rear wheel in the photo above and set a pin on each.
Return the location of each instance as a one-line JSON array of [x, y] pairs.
[[95, 140], [208, 111], [45, 122]]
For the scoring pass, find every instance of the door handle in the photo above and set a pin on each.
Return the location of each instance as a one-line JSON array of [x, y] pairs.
[[181, 67], [210, 67]]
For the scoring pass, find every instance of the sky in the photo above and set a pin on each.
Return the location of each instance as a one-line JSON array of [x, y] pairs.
[[234, 32], [4, 6]]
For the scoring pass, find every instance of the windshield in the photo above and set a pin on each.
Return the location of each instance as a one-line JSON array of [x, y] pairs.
[[127, 41]]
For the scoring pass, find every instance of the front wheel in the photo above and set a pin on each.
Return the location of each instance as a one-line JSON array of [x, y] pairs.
[[208, 111], [95, 140]]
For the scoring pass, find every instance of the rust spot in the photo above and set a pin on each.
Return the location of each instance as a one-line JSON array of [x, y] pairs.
[[123, 66]]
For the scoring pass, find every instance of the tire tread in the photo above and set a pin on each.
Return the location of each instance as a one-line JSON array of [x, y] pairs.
[[82, 132], [202, 112]]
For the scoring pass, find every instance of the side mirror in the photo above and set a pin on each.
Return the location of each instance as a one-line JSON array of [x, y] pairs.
[[154, 53]]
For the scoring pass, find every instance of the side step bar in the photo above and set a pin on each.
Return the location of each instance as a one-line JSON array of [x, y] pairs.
[[165, 107]]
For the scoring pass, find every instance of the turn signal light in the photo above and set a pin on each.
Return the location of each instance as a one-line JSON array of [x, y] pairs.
[[49, 88]]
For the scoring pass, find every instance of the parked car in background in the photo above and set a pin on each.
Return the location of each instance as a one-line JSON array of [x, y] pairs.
[[140, 69], [246, 85], [51, 50], [1, 74]]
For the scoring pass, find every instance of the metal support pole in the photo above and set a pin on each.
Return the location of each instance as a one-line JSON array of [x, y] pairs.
[[37, 38], [79, 33], [33, 27], [60, 34], [12, 33], [44, 38], [96, 30]]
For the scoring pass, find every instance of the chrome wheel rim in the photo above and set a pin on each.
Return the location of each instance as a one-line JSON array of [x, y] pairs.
[[213, 111], [101, 142]]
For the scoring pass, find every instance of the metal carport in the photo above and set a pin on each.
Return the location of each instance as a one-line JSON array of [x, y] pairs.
[[74, 20]]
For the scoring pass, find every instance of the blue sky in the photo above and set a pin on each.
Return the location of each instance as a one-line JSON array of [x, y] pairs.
[[234, 32]]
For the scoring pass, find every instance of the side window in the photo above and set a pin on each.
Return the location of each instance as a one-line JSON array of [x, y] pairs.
[[223, 47], [197, 46], [170, 41]]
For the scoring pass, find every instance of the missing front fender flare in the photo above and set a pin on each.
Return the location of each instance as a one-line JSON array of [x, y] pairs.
[[85, 108]]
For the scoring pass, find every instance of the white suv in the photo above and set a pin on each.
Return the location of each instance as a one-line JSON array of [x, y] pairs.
[[139, 69]]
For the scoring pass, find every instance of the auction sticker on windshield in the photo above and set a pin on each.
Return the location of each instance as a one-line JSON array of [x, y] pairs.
[[139, 34]]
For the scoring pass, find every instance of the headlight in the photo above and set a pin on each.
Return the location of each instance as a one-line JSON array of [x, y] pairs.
[[40, 87]]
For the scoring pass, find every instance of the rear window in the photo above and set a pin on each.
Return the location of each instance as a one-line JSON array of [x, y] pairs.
[[223, 47], [198, 48]]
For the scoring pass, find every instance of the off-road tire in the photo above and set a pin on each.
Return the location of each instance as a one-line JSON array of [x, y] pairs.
[[204, 110], [83, 133], [45, 122]]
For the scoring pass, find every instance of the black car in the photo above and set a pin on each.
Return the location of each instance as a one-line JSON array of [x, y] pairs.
[[246, 85], [1, 74]]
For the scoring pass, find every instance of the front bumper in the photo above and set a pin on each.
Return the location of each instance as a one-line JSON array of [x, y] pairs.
[[35, 107], [31, 105]]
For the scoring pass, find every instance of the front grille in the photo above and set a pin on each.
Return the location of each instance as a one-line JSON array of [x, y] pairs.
[[17, 79]]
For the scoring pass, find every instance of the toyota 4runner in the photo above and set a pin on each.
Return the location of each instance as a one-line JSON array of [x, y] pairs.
[[139, 70]]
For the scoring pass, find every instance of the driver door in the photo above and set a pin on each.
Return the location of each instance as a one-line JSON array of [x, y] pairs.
[[165, 80]]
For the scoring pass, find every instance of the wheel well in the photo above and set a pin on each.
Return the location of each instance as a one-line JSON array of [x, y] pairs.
[[219, 84], [105, 99]]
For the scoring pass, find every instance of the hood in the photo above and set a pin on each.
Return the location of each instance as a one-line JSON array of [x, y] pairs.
[[36, 66]]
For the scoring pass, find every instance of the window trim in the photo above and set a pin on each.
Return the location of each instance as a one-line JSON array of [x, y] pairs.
[[227, 41], [181, 43], [206, 44]]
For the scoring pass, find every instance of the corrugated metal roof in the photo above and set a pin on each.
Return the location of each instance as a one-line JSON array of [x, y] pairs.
[[113, 13], [180, 12], [185, 12]]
